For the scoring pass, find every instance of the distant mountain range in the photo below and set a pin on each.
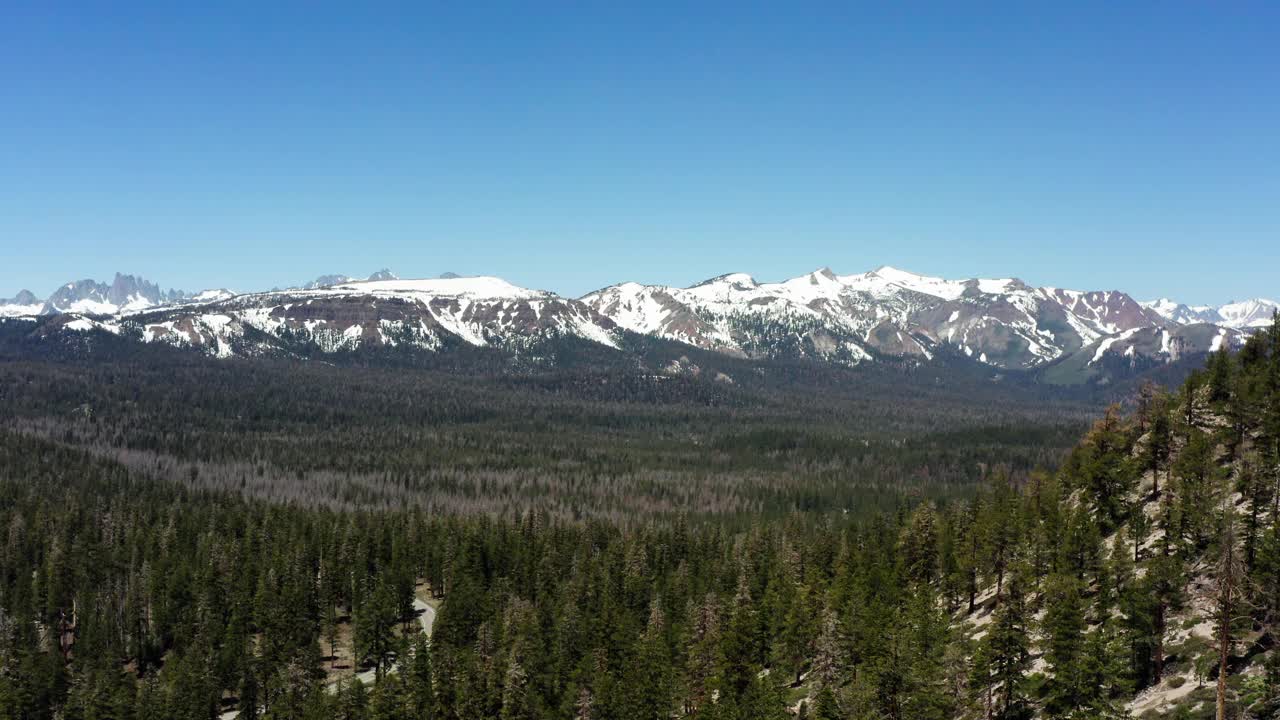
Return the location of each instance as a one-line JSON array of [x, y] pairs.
[[123, 295], [1067, 335], [1239, 315], [128, 294]]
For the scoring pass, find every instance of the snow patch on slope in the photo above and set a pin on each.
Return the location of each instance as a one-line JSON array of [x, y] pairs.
[[1108, 342]]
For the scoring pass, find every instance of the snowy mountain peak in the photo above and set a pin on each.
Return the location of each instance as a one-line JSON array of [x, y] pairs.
[[997, 321], [1164, 306], [212, 295], [483, 287], [893, 274], [1242, 315], [884, 313], [22, 304], [740, 280], [886, 280], [1249, 313], [1182, 314]]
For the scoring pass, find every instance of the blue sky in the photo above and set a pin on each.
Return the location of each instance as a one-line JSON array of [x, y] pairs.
[[568, 145]]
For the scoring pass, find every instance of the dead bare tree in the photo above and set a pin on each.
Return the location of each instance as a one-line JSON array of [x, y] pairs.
[[1230, 597]]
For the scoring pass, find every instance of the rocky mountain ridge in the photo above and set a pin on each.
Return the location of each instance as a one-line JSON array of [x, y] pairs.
[[847, 319], [1242, 315]]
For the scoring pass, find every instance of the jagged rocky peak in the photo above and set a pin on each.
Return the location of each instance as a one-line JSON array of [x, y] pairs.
[[327, 281], [824, 273], [130, 288], [77, 289], [339, 279], [126, 293], [24, 297]]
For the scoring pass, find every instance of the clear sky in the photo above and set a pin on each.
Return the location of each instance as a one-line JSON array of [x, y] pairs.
[[1130, 145]]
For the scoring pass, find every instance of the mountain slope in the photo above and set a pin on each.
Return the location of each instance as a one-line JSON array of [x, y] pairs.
[[1001, 322], [1148, 564], [427, 315], [1066, 336]]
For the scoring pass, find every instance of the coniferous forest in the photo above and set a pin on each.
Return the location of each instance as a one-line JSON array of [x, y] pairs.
[[192, 538]]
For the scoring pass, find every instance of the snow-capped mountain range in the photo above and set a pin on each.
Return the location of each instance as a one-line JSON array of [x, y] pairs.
[[1237, 315], [127, 294], [848, 319]]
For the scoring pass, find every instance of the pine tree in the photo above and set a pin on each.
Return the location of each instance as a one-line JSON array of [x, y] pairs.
[[1101, 674], [927, 635], [1102, 467], [418, 680], [968, 557], [703, 653], [920, 545], [1155, 454], [375, 623], [353, 701], [829, 661], [1004, 657], [1163, 590], [1002, 532], [517, 700], [1229, 579], [794, 646], [1063, 628], [649, 691], [825, 706], [387, 700]]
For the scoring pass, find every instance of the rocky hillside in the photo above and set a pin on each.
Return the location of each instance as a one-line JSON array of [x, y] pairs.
[[1143, 579]]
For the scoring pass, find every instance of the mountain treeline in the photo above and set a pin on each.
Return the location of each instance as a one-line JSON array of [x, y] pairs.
[[1141, 576]]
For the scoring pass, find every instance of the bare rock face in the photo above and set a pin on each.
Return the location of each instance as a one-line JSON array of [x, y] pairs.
[[326, 281], [125, 293]]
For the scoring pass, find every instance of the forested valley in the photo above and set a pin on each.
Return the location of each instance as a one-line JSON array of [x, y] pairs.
[[192, 538]]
